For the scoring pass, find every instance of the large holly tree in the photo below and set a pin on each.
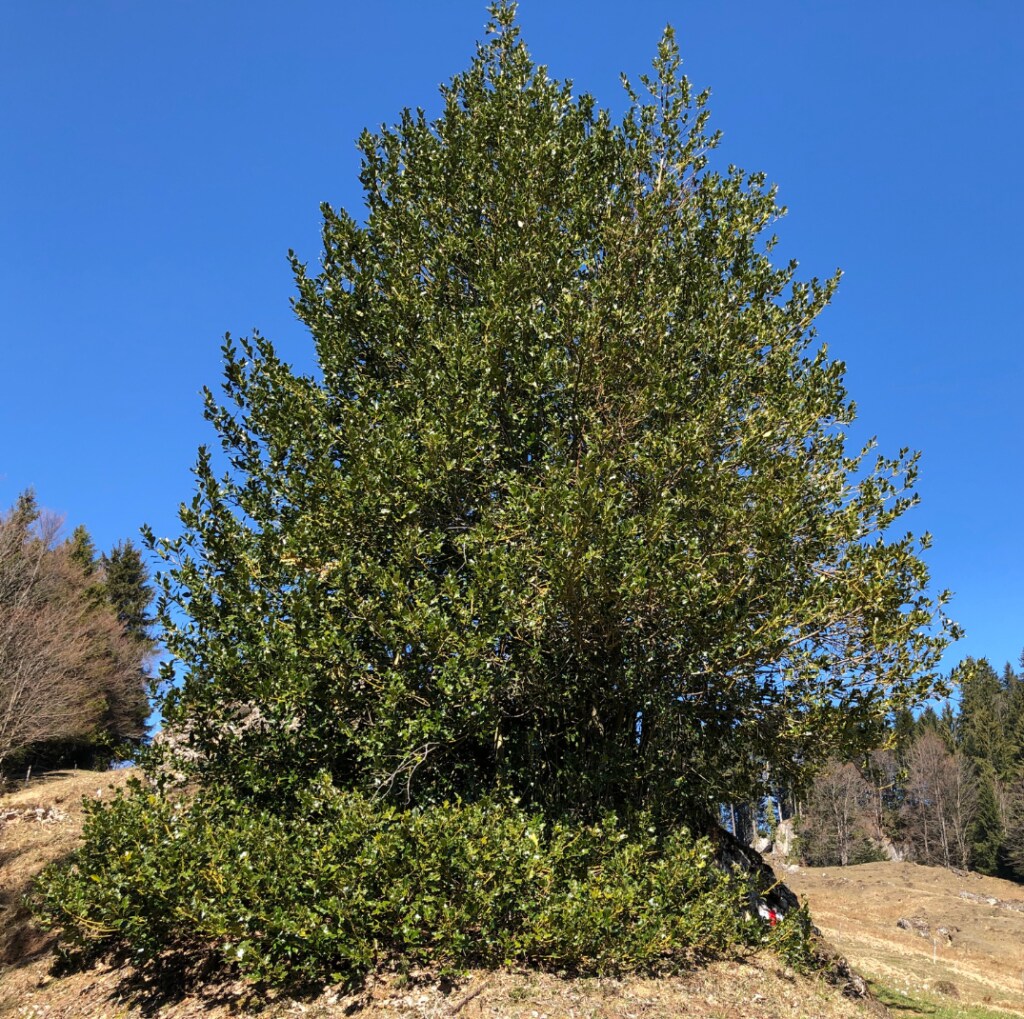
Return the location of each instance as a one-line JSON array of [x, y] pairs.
[[568, 511]]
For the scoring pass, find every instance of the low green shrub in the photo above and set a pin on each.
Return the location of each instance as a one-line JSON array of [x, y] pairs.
[[345, 885]]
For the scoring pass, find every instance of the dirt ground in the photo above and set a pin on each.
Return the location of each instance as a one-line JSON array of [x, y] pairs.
[[755, 989], [916, 928]]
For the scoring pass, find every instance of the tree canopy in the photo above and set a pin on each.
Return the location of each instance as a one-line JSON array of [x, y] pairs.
[[568, 511]]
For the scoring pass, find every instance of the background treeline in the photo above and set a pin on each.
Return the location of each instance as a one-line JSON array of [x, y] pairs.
[[74, 643], [949, 790]]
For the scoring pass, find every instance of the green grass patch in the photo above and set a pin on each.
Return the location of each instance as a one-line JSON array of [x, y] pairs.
[[910, 1007]]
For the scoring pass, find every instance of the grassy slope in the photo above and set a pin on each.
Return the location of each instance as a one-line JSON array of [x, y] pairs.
[[972, 949], [27, 844]]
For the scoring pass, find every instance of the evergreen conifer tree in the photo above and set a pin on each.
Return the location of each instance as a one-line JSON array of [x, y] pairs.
[[904, 726], [128, 589], [1014, 724], [82, 550], [980, 721], [987, 833]]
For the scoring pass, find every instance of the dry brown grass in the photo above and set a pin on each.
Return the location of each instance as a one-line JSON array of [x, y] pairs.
[[28, 843], [758, 988], [968, 943]]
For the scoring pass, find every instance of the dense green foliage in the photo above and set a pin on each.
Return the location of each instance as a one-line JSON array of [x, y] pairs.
[[347, 886], [564, 530], [568, 512]]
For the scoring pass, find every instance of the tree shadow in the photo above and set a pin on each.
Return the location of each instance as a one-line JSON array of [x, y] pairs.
[[21, 940], [176, 977]]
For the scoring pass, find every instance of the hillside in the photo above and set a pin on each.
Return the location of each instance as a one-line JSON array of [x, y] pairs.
[[915, 927], [42, 823]]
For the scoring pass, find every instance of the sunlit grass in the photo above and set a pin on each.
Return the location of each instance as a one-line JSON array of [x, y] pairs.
[[907, 1007]]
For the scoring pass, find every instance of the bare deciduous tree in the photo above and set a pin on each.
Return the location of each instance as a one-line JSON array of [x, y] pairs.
[[838, 815], [65, 660], [940, 803], [881, 772]]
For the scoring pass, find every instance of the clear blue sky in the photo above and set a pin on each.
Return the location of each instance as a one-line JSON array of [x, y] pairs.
[[157, 160]]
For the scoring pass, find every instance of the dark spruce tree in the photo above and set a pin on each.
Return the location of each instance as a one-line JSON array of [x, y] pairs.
[[82, 550], [979, 723], [1015, 721], [987, 834], [988, 732], [127, 587], [568, 511]]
